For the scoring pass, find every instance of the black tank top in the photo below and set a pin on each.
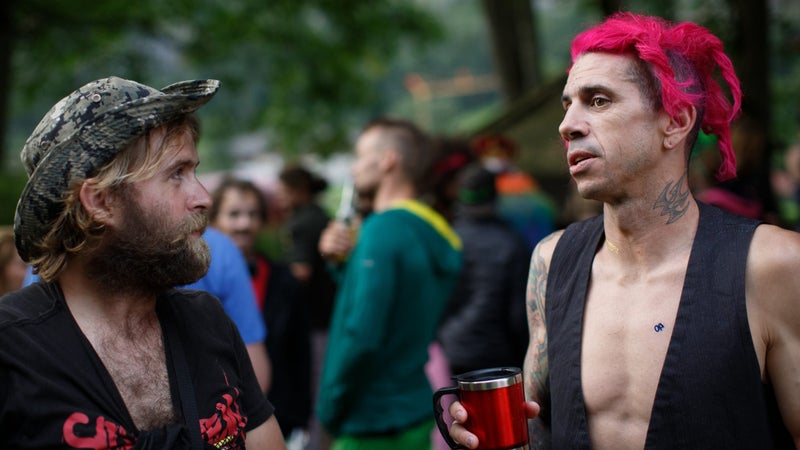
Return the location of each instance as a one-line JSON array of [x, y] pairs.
[[710, 394]]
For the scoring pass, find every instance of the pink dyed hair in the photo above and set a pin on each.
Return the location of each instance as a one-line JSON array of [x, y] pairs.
[[654, 41]]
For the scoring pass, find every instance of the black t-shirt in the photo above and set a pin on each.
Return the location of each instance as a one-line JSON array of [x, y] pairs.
[[56, 393]]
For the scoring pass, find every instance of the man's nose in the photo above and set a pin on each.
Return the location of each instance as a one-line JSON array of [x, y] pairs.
[[200, 198], [573, 125]]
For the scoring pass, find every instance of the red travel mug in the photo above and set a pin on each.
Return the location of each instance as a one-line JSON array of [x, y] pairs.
[[495, 402]]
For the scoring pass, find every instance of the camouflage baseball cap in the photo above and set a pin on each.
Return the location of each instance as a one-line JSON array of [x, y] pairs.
[[82, 133]]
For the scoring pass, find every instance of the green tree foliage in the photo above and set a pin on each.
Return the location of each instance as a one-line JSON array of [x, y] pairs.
[[11, 186], [304, 70], [313, 65]]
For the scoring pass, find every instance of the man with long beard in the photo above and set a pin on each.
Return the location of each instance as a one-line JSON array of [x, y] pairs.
[[105, 352]]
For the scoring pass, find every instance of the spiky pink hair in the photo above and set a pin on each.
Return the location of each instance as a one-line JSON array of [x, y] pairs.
[[654, 40]]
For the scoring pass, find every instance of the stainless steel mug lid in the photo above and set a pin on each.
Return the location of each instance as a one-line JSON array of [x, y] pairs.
[[487, 379]]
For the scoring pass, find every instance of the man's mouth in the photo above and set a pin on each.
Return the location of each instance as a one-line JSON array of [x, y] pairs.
[[578, 157]]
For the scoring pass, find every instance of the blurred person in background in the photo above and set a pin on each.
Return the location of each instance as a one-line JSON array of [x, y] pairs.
[[395, 282], [228, 279], [298, 194], [746, 195], [485, 324], [788, 183], [452, 154], [12, 268], [521, 201], [239, 209]]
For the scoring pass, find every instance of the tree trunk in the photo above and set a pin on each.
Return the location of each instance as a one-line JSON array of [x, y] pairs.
[[513, 32], [751, 50], [750, 54]]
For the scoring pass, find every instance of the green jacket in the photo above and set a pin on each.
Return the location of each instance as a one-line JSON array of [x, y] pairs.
[[394, 289]]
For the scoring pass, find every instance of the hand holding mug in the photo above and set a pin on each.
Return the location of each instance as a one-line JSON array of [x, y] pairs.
[[491, 412], [460, 434]]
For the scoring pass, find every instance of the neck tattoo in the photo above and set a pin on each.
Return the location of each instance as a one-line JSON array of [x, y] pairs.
[[614, 249], [674, 200]]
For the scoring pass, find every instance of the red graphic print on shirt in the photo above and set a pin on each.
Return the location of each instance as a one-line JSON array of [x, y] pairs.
[[104, 435], [225, 428]]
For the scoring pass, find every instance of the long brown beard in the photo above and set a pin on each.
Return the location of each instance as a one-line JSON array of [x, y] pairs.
[[147, 256]]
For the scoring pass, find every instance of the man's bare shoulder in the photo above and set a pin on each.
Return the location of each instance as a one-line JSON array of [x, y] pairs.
[[539, 268], [774, 251], [545, 248], [773, 282], [773, 287]]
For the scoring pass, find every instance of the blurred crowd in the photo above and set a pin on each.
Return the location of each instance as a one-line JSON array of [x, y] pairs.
[[478, 204]]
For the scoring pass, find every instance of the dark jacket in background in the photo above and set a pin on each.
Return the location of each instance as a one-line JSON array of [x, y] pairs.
[[305, 226], [289, 347], [485, 323]]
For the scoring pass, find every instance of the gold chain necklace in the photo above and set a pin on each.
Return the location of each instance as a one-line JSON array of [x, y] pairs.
[[614, 249]]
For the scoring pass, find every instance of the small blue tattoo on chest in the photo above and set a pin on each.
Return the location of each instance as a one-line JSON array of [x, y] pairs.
[[659, 327]]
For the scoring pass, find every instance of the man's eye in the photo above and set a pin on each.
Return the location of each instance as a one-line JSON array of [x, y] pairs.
[[599, 102]]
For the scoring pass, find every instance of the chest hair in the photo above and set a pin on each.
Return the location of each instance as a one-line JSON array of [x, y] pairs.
[[134, 357]]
